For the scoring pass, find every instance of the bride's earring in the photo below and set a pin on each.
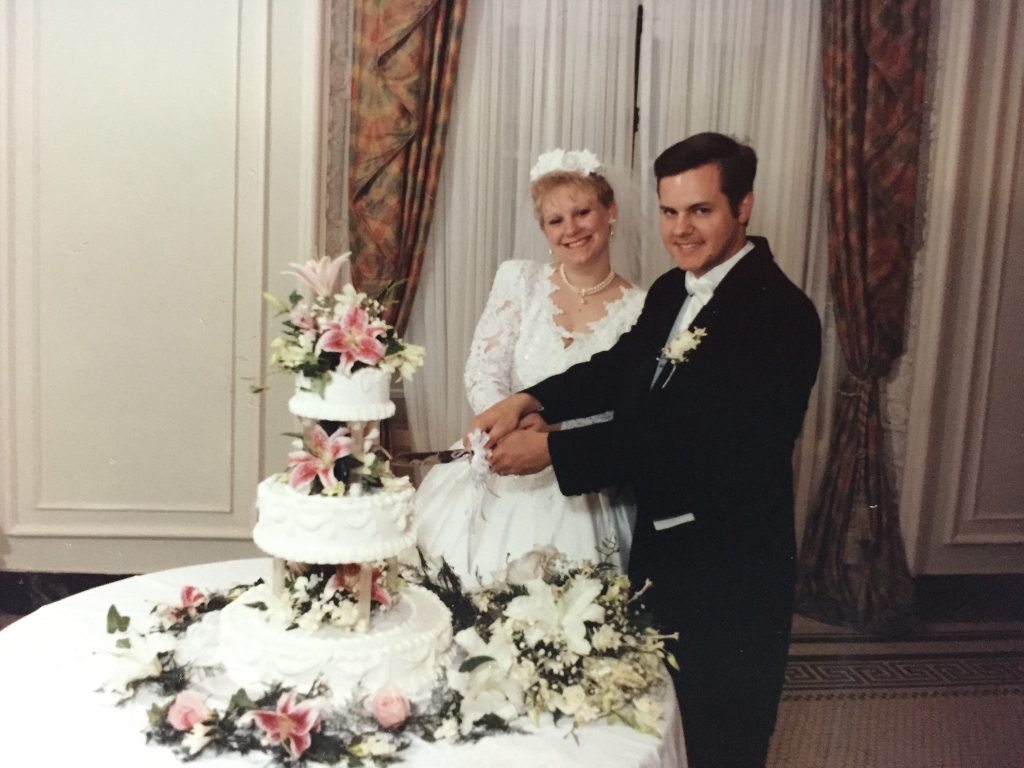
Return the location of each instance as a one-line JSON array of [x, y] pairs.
[[611, 229]]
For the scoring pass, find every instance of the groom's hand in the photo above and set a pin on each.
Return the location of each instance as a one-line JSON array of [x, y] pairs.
[[522, 452], [536, 422], [502, 417]]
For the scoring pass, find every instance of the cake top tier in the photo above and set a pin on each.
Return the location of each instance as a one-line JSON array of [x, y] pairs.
[[332, 332]]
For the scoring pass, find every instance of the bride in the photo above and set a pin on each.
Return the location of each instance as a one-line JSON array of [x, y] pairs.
[[540, 319]]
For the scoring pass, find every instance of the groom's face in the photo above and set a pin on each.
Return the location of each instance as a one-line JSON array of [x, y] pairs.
[[698, 226]]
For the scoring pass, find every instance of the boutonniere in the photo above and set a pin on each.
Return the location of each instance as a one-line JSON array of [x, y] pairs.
[[679, 346]]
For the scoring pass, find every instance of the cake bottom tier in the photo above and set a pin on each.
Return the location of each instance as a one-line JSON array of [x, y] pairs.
[[406, 647]]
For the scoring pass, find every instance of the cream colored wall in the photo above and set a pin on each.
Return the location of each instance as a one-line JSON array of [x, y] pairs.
[[160, 170], [963, 480]]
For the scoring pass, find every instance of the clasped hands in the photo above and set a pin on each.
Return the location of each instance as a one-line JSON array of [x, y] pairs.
[[517, 435]]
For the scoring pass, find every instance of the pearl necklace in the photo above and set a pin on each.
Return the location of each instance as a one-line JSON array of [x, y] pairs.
[[584, 292]]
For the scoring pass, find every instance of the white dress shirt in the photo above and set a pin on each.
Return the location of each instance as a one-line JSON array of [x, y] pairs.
[[699, 291]]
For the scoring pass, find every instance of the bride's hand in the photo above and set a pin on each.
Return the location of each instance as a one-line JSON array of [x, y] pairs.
[[502, 417]]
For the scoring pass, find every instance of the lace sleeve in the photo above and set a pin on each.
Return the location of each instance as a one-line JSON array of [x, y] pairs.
[[488, 375]]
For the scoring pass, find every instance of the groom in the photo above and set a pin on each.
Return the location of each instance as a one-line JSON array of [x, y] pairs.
[[709, 390]]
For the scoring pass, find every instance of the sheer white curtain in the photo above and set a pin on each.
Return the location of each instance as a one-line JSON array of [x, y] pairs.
[[750, 69], [536, 74], [533, 75]]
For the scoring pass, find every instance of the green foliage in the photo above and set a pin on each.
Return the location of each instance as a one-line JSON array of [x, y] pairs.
[[116, 622], [473, 662]]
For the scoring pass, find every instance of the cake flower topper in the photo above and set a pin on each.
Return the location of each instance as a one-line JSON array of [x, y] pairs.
[[317, 457], [329, 329], [581, 161]]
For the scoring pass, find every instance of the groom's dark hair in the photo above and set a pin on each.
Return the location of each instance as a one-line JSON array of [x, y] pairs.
[[736, 162]]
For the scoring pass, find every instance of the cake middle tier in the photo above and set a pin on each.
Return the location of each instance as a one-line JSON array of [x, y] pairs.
[[333, 529]]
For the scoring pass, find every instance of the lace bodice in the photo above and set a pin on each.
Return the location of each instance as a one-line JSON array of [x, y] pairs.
[[517, 342]]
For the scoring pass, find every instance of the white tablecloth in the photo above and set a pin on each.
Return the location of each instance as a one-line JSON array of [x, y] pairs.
[[53, 662]]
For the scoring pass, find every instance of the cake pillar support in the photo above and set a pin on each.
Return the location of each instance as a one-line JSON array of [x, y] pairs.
[[364, 594], [277, 576]]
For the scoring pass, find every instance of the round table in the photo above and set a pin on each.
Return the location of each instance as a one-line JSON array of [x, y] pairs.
[[52, 711]]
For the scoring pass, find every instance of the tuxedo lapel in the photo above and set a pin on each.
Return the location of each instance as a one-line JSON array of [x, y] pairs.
[[726, 305], [723, 320], [668, 310]]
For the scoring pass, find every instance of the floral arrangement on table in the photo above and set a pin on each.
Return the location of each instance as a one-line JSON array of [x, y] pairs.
[[327, 329], [558, 637], [326, 464], [288, 725], [553, 637]]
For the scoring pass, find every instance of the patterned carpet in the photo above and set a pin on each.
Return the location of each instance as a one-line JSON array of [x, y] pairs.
[[952, 697]]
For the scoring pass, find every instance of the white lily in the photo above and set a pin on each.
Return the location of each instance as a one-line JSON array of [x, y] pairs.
[[490, 688], [140, 661], [198, 737], [548, 614]]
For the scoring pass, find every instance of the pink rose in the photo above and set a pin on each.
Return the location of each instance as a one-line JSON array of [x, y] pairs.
[[189, 707], [390, 707]]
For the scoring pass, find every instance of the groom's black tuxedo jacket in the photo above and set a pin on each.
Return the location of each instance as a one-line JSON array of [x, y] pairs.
[[715, 441]]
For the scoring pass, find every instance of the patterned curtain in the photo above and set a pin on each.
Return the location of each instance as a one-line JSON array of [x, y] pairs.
[[853, 567], [405, 54]]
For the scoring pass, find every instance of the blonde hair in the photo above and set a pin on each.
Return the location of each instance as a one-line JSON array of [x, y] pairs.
[[593, 183]]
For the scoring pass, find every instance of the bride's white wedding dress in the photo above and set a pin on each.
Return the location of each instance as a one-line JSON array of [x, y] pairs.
[[478, 527]]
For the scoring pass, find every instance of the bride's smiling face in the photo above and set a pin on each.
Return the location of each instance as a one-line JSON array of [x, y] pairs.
[[576, 225]]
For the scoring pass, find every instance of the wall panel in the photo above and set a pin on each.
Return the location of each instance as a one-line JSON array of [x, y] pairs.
[[140, 204]]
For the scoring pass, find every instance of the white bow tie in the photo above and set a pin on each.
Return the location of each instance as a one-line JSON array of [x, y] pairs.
[[700, 288]]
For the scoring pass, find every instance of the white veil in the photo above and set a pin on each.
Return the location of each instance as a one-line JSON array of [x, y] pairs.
[[631, 226]]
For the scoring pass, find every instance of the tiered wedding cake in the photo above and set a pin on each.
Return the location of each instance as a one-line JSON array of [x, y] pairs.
[[336, 660], [336, 611]]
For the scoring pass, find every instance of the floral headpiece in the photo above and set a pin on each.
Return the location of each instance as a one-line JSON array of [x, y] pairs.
[[581, 161]]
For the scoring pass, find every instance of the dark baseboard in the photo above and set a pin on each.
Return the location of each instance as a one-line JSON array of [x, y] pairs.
[[997, 597], [22, 592]]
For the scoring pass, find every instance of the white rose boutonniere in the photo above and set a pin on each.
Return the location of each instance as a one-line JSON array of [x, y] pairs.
[[679, 346]]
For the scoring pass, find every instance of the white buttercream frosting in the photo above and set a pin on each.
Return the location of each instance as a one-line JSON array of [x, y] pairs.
[[333, 529], [407, 648], [361, 396]]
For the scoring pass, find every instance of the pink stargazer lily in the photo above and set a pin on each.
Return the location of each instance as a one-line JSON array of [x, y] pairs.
[[319, 460], [290, 724], [346, 578], [320, 275], [355, 337], [191, 597]]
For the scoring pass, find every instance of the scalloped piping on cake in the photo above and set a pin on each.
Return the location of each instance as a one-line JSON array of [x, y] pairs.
[[362, 396], [333, 529]]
